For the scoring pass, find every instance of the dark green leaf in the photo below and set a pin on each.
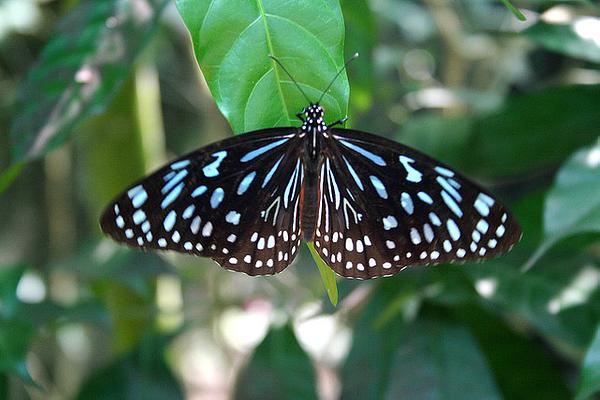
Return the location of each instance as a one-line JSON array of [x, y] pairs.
[[232, 40], [360, 38], [366, 372], [577, 183], [79, 71], [9, 280], [143, 374], [15, 338], [543, 296], [589, 381], [438, 359], [520, 365], [8, 176], [279, 369], [578, 39], [528, 134]]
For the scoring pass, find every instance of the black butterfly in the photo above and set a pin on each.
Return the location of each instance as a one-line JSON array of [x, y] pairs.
[[370, 205]]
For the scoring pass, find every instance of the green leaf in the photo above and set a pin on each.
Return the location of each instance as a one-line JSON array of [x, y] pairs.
[[79, 71], [366, 372], [554, 299], [521, 365], [361, 34], [528, 134], [327, 275], [578, 39], [9, 280], [232, 40], [278, 369], [589, 380], [439, 359], [576, 183], [8, 176], [142, 374], [15, 339]]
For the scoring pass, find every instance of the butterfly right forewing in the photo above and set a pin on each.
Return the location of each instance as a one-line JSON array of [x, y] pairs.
[[236, 201]]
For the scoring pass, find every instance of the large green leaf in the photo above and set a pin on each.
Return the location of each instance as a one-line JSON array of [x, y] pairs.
[[232, 41], [366, 372], [589, 381], [552, 299], [279, 369], [578, 39], [142, 374], [79, 71], [521, 365], [573, 203], [439, 359], [528, 134]]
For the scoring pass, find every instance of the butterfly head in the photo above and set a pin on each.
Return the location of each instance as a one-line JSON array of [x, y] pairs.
[[314, 112]]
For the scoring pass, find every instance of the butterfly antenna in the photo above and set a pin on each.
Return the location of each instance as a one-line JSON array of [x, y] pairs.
[[354, 57], [272, 57]]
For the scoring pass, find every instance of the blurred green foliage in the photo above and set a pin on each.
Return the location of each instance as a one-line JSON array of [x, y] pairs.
[[96, 94]]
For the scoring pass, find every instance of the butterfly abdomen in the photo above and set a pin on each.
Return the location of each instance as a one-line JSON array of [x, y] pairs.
[[309, 202]]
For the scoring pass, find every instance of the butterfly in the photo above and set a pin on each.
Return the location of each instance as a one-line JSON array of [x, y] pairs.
[[371, 206]]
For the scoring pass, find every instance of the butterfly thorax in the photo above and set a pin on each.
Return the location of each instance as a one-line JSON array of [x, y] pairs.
[[314, 127]]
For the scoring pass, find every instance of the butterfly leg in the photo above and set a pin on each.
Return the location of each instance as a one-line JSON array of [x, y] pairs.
[[300, 116]]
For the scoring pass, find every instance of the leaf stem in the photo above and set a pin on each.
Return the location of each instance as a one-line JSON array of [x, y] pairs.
[[516, 12]]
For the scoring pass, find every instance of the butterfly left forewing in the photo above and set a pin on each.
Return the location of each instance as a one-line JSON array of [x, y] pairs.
[[236, 201], [384, 206]]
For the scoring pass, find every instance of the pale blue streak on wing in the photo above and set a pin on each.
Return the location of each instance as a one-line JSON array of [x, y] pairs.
[[189, 211], [169, 221], [245, 183], [172, 196], [199, 191], [452, 204], [379, 187], [364, 152], [354, 174], [180, 164], [217, 197], [211, 170], [174, 181], [261, 150], [450, 189], [271, 172]]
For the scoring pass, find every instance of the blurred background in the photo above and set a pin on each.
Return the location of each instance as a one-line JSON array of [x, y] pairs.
[[513, 104]]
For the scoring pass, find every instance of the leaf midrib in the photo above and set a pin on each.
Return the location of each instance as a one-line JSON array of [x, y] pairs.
[[263, 17]]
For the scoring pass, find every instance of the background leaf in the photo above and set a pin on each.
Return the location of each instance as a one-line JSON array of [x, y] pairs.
[[142, 374], [528, 133], [578, 38], [278, 369], [79, 71], [444, 362], [589, 381], [573, 202]]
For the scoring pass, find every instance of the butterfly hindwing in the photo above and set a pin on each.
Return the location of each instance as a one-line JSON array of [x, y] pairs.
[[384, 206], [236, 201]]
